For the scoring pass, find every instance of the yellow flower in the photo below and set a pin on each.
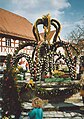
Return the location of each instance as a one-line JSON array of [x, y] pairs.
[[31, 82], [57, 72]]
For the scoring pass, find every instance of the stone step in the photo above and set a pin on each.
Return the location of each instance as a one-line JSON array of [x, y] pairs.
[[50, 112], [56, 111], [57, 115]]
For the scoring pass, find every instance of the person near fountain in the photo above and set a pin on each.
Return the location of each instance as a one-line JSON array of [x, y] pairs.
[[36, 112]]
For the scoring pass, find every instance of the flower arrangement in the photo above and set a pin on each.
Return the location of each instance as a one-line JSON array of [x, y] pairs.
[[57, 73], [30, 84]]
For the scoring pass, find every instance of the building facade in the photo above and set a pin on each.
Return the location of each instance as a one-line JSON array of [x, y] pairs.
[[14, 29]]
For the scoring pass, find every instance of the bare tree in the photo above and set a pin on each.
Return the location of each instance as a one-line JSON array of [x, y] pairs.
[[77, 34], [76, 37]]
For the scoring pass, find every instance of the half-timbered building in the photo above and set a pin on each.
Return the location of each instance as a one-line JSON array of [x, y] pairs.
[[13, 30]]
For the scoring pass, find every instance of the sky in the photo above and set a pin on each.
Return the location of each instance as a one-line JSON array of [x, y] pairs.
[[69, 13]]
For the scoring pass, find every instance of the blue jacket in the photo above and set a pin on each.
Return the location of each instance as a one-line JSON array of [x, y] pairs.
[[36, 113]]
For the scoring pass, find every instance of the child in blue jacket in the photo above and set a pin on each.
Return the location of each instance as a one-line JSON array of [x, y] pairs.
[[36, 112]]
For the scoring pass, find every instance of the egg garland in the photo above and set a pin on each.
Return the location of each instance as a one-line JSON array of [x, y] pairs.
[[38, 59]]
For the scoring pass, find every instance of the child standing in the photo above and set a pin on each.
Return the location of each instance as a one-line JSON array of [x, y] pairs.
[[36, 112]]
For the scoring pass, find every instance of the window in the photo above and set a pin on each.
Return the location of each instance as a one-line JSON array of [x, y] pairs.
[[8, 42]]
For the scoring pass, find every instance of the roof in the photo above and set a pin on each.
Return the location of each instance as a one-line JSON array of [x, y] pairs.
[[15, 26], [81, 42]]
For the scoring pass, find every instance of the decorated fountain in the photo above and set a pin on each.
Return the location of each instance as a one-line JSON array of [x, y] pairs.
[[43, 59], [42, 66]]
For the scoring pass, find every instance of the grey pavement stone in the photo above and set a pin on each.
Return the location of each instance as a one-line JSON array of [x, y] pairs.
[[57, 114], [67, 115], [72, 113], [78, 118]]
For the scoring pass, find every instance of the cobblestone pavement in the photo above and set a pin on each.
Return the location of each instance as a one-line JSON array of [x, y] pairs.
[[70, 109], [59, 115], [63, 111], [66, 110]]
